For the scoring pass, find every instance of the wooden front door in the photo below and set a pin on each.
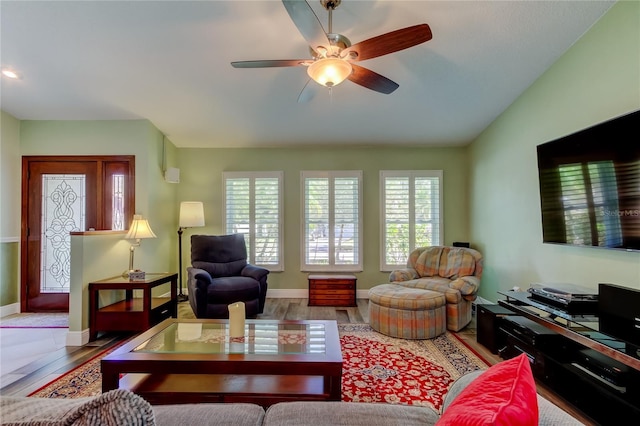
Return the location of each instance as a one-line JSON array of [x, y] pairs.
[[61, 195]]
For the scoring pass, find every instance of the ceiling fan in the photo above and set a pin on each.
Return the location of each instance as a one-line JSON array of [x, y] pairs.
[[333, 56]]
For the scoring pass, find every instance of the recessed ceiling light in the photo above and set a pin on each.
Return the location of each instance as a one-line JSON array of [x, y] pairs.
[[9, 73]]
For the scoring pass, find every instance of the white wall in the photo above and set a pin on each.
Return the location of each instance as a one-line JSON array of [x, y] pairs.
[[597, 79]]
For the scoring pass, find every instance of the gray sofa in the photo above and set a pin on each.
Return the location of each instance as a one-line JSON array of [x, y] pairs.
[[121, 407]]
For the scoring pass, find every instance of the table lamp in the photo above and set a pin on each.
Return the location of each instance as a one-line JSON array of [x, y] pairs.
[[139, 229]]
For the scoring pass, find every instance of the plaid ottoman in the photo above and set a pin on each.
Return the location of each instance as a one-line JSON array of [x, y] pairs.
[[407, 313]]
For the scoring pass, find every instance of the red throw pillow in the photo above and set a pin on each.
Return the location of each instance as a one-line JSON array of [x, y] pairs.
[[505, 394]]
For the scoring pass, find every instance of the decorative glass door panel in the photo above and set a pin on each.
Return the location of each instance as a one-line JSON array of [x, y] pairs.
[[118, 203], [63, 212]]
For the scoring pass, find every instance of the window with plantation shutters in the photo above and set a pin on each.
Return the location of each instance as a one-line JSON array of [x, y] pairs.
[[253, 207], [411, 216], [331, 221]]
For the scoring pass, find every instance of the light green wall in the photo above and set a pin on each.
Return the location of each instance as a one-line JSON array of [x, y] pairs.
[[597, 79], [9, 275], [9, 175], [10, 212], [94, 257], [101, 256], [162, 209], [134, 137], [201, 180]]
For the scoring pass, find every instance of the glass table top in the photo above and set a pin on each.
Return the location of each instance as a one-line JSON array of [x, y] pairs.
[[261, 337]]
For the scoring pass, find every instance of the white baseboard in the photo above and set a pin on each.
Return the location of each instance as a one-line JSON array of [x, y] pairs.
[[77, 338], [362, 294], [300, 293], [304, 294], [11, 309]]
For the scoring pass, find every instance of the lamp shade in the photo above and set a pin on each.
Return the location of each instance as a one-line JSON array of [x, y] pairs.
[[139, 229], [329, 71], [191, 214]]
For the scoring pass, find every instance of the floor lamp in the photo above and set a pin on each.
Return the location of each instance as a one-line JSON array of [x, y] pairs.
[[191, 215]]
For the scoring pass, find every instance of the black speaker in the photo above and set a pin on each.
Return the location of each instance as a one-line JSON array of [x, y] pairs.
[[619, 301], [488, 321], [461, 244]]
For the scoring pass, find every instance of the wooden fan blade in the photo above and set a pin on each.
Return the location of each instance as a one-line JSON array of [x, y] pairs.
[[389, 43], [372, 80], [271, 63], [307, 23]]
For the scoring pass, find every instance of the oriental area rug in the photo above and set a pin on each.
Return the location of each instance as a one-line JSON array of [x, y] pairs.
[[377, 368]]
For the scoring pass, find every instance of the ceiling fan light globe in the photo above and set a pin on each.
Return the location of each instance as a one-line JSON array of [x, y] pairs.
[[329, 72]]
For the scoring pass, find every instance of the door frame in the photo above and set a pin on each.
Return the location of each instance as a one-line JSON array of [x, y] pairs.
[[101, 161]]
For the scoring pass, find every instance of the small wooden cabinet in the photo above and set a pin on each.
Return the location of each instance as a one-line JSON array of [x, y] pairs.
[[332, 290], [131, 313]]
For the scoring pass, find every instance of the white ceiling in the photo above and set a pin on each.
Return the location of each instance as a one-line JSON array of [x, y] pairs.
[[169, 62]]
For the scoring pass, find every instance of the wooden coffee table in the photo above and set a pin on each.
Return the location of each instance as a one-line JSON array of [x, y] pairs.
[[193, 361]]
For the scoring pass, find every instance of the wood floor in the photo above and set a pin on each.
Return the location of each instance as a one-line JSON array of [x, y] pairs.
[[58, 362]]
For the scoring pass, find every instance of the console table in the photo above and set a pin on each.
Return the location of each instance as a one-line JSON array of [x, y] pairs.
[[582, 329], [131, 313], [607, 396]]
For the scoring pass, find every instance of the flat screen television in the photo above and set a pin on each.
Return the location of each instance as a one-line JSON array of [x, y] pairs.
[[590, 186]]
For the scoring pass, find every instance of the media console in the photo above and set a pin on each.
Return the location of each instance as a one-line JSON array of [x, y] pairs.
[[576, 356]]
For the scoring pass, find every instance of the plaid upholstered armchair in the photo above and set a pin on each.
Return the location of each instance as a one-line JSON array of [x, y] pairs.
[[453, 271]]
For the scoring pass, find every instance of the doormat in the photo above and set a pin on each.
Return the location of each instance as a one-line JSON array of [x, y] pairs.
[[377, 368], [35, 320]]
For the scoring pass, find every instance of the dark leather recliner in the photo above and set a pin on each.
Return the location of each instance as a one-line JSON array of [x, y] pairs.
[[220, 275]]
